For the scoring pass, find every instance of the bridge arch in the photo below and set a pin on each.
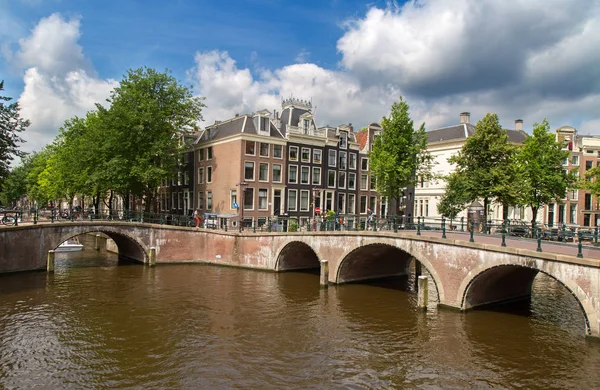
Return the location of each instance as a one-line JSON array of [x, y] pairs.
[[128, 246], [513, 281], [381, 259], [296, 255]]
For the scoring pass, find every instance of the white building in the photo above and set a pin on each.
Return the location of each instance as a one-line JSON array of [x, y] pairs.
[[442, 144]]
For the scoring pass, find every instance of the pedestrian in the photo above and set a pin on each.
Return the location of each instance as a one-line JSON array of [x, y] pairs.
[[197, 218]]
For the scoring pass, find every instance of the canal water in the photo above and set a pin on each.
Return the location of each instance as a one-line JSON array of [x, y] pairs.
[[97, 324]]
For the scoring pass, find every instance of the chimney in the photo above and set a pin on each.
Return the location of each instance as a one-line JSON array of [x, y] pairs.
[[465, 117], [519, 124], [350, 127]]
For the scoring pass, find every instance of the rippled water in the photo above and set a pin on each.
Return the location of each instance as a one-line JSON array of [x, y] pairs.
[[97, 324]]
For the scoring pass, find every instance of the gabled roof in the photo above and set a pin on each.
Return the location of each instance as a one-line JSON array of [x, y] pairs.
[[462, 131], [237, 125]]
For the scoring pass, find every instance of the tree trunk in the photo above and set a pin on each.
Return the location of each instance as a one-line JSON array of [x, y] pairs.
[[534, 211], [504, 211]]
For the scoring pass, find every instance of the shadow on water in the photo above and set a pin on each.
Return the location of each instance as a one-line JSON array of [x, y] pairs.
[[20, 281]]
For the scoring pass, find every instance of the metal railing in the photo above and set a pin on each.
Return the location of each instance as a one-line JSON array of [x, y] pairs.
[[497, 230]]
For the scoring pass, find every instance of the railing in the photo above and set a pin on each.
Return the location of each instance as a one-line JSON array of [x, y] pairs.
[[495, 230]]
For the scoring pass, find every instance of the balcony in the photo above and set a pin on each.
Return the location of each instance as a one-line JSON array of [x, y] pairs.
[[311, 131]]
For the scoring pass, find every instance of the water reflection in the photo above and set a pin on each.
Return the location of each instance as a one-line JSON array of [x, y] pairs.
[[191, 326]]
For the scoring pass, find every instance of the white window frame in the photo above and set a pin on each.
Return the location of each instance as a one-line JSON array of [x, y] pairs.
[[329, 172], [351, 174], [307, 193], [313, 176], [290, 174], [290, 149], [352, 159], [209, 206], [261, 164], [246, 191], [209, 174], [315, 153], [260, 149], [307, 160], [233, 198], [341, 183], [303, 169], [266, 199], [201, 175], [361, 163], [332, 157], [293, 207], [280, 173], [280, 155], [253, 170], [246, 148], [345, 159], [351, 210]]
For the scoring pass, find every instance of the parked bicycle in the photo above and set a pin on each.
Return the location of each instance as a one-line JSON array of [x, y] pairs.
[[9, 220]]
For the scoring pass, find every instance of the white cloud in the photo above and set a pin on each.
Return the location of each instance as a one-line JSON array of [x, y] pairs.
[[302, 56], [338, 96], [59, 80]]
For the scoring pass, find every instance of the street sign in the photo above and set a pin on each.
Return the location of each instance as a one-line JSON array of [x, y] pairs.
[[235, 205], [317, 210]]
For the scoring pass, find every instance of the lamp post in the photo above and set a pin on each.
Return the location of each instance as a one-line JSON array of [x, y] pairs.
[[242, 186], [315, 191]]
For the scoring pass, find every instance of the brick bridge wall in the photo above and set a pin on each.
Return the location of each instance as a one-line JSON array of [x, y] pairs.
[[466, 275]]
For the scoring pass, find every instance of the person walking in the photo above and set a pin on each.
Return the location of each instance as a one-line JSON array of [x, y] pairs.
[[197, 218]]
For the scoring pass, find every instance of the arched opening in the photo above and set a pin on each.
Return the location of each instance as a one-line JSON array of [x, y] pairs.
[[525, 291], [297, 256], [124, 247], [373, 262]]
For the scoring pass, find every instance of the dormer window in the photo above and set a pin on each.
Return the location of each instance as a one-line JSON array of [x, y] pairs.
[[306, 123], [343, 140]]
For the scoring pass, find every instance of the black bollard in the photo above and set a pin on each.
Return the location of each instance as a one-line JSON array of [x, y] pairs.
[[579, 246], [443, 227]]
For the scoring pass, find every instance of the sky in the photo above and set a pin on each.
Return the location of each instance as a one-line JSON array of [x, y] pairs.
[[521, 59]]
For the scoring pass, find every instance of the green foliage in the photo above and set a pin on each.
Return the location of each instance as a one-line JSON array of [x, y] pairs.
[[15, 186], [293, 225], [485, 164], [11, 124], [399, 154], [455, 198], [542, 179]]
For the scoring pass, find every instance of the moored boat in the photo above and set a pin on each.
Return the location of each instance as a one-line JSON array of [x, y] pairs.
[[71, 245]]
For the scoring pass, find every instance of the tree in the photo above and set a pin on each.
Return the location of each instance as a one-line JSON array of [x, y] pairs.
[[542, 179], [484, 164], [15, 184], [149, 113], [11, 124], [455, 197], [399, 154]]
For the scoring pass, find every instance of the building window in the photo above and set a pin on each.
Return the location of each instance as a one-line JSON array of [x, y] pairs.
[[364, 164], [178, 178], [276, 173], [200, 175], [264, 149], [426, 207], [574, 160], [209, 200], [573, 213], [304, 194], [341, 203], [317, 153], [331, 179], [342, 160], [209, 174], [209, 153], [364, 182], [342, 179], [343, 140], [588, 202], [292, 200], [201, 155], [263, 195], [293, 153], [173, 200], [352, 160], [201, 200], [186, 178], [250, 148], [304, 175], [351, 181], [329, 200], [232, 199], [589, 165], [263, 172], [305, 124], [248, 199], [316, 176], [363, 204], [373, 183], [351, 204], [293, 174], [277, 151], [305, 155], [331, 159], [249, 170], [372, 203]]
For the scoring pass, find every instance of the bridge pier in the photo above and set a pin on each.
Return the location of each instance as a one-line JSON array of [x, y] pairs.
[[423, 292], [152, 257], [50, 261], [324, 279]]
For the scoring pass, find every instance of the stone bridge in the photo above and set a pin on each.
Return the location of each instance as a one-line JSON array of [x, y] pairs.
[[466, 275]]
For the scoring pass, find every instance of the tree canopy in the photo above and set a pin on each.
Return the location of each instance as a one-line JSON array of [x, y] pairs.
[[542, 179], [11, 124], [399, 154], [485, 164]]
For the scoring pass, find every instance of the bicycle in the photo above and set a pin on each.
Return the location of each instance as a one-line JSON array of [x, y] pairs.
[[9, 220]]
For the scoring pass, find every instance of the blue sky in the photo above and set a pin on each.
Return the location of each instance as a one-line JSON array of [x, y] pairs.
[[523, 59], [165, 34]]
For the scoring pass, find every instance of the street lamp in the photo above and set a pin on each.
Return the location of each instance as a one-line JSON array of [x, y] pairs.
[[242, 186]]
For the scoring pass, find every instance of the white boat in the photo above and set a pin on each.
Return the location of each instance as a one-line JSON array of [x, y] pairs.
[[71, 245]]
